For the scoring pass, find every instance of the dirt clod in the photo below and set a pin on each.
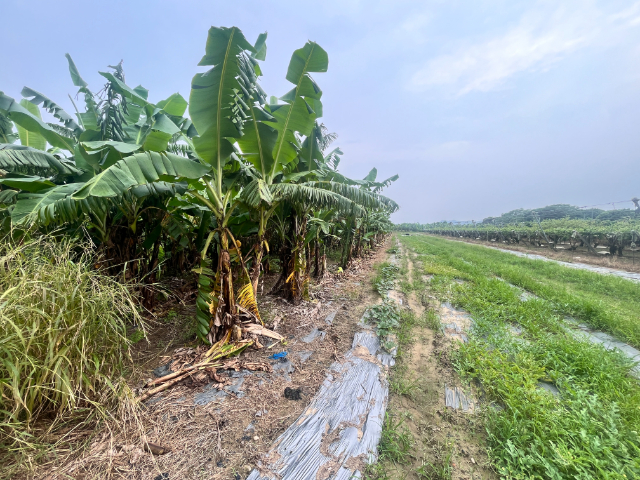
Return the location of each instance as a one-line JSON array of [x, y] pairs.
[[293, 393]]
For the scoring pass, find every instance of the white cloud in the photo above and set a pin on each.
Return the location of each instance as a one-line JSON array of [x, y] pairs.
[[542, 37], [630, 16]]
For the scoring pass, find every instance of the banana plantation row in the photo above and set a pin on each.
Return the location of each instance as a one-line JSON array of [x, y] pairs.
[[573, 233], [231, 184]]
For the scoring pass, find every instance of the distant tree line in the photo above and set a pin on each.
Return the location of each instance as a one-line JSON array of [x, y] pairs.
[[554, 212]]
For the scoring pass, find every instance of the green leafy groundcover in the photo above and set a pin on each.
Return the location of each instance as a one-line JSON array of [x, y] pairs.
[[386, 314], [589, 430]]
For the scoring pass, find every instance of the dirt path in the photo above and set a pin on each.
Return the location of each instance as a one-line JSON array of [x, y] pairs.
[[428, 398], [577, 265]]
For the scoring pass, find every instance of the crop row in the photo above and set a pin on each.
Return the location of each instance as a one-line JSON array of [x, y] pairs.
[[574, 233], [229, 183]]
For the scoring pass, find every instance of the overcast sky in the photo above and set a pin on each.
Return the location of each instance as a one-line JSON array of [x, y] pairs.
[[480, 106]]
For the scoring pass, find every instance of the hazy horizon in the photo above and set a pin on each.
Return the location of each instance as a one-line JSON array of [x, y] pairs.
[[480, 108]]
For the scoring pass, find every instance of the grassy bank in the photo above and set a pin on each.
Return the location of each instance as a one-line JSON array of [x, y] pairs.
[[588, 430]]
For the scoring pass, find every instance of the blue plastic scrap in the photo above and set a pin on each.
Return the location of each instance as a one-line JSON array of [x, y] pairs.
[[276, 356]]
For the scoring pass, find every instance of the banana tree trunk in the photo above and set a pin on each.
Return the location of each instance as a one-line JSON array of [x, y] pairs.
[[317, 258], [284, 256], [216, 307], [346, 252], [359, 244], [148, 292], [296, 282], [225, 315], [257, 265], [258, 249]]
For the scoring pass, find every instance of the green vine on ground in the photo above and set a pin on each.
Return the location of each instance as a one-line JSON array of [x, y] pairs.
[[385, 315]]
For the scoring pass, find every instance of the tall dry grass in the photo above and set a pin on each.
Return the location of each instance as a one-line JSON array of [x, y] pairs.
[[62, 335]]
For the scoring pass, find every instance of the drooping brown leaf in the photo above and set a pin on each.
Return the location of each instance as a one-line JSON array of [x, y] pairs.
[[259, 330]]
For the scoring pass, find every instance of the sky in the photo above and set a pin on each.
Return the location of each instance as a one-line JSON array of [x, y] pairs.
[[480, 106]]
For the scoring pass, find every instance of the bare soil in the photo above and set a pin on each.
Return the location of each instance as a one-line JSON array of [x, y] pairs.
[[221, 440]]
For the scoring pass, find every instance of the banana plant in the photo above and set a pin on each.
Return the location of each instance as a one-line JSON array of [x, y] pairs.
[[124, 160], [319, 233], [271, 144], [113, 126], [117, 123], [219, 106], [355, 227], [285, 145]]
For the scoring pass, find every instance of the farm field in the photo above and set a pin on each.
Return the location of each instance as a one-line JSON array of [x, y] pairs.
[[608, 241], [628, 264], [212, 261], [606, 270], [546, 402]]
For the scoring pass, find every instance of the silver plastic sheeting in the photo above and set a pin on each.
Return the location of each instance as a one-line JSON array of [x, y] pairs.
[[340, 429], [549, 387], [525, 296], [579, 266], [330, 318], [315, 333], [304, 355], [455, 398], [455, 323]]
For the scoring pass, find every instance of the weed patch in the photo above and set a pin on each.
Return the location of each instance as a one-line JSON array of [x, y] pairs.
[[401, 385], [396, 442], [136, 336], [385, 279], [63, 334], [441, 469], [386, 316]]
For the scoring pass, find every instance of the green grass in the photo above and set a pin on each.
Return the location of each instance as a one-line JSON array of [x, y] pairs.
[[396, 442], [431, 320], [400, 384], [606, 302], [170, 317], [591, 429], [396, 446]]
